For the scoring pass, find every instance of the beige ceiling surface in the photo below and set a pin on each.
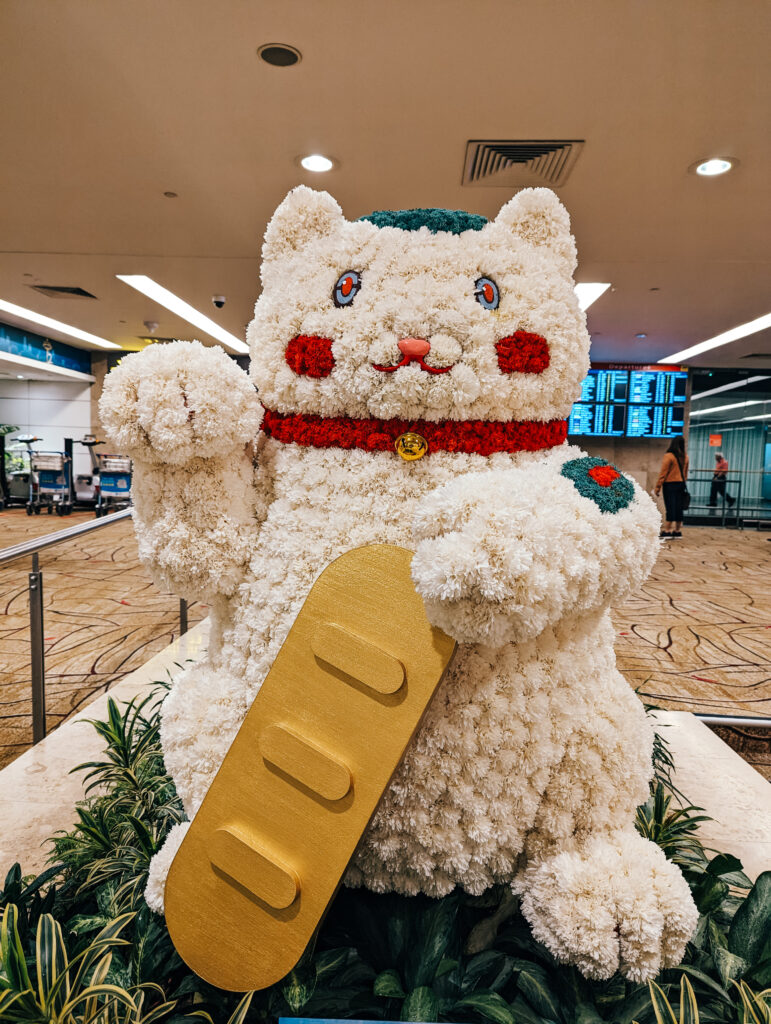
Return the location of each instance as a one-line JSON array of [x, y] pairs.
[[109, 103]]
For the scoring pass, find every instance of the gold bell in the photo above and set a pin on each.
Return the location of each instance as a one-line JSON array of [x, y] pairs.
[[411, 446]]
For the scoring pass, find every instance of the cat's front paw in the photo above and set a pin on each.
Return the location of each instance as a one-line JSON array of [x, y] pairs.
[[476, 562], [617, 905], [172, 403]]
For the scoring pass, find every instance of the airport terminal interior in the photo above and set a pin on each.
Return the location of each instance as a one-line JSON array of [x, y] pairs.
[[179, 471]]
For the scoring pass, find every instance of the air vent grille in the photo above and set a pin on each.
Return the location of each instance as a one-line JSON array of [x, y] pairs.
[[62, 291], [519, 164]]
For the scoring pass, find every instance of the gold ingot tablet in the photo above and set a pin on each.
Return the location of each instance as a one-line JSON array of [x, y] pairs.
[[270, 845]]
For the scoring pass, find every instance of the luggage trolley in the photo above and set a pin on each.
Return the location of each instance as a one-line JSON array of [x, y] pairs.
[[87, 484], [114, 483], [52, 470], [21, 484]]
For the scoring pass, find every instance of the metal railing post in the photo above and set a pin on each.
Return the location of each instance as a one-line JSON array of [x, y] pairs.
[[37, 651], [182, 616]]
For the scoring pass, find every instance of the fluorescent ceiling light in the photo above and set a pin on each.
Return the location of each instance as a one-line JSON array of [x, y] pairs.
[[720, 408], [710, 168], [316, 162], [38, 366], [725, 338], [54, 325], [589, 293], [727, 387], [182, 309]]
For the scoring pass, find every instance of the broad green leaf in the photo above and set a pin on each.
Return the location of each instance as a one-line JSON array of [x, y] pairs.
[[447, 966], [723, 864], [82, 924], [388, 984], [420, 1005], [709, 893], [538, 993], [705, 979], [481, 966], [635, 1007], [298, 987], [525, 1014], [729, 965], [489, 1005], [437, 931], [586, 1013], [716, 936], [330, 961], [751, 925], [760, 974]]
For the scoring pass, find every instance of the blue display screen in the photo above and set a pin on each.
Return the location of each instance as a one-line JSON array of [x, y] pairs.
[[597, 420], [635, 402]]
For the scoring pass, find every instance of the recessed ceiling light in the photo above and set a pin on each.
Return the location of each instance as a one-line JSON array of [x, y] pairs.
[[316, 162], [711, 168], [54, 325], [589, 293], [729, 387], [641, 335], [20, 376], [752, 327], [182, 309], [280, 55]]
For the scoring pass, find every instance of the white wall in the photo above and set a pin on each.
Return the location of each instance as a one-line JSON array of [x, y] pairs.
[[52, 410]]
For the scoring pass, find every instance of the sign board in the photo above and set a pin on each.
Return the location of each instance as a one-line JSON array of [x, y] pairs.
[[715, 440]]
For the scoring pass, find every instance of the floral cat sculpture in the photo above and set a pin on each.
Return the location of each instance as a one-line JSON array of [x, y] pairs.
[[414, 370]]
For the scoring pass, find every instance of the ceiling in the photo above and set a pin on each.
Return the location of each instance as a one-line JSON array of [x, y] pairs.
[[116, 102]]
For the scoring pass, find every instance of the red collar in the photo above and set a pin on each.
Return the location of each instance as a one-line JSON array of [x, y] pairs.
[[483, 437]]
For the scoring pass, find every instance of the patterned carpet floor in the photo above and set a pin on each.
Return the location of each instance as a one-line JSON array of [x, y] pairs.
[[697, 637], [103, 618]]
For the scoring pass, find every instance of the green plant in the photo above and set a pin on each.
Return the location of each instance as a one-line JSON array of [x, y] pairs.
[[120, 829], [62, 990], [84, 988], [385, 957]]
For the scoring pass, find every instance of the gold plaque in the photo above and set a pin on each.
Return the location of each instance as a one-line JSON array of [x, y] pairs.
[[271, 842], [411, 446]]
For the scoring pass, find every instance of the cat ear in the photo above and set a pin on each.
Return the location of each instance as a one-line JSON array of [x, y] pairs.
[[304, 215], [537, 216]]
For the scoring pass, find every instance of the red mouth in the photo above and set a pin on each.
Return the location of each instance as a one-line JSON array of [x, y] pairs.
[[411, 359]]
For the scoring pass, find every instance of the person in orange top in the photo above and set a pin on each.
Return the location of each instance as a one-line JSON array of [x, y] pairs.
[[719, 481], [674, 473]]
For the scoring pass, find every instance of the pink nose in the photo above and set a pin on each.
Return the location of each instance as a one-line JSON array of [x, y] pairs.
[[414, 348]]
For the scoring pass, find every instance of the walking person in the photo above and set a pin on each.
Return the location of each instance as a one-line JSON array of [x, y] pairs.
[[674, 473], [718, 484]]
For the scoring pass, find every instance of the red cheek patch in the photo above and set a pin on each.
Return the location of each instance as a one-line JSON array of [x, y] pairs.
[[522, 353], [310, 356]]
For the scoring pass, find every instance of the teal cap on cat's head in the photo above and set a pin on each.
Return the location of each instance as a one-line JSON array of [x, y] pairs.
[[452, 221]]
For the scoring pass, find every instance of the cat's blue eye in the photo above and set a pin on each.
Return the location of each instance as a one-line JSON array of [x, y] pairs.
[[486, 293], [347, 288]]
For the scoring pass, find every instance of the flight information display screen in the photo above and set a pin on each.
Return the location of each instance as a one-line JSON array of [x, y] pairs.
[[630, 401], [597, 420]]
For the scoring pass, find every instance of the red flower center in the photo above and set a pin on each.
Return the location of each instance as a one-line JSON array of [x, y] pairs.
[[522, 353], [604, 475], [310, 356]]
